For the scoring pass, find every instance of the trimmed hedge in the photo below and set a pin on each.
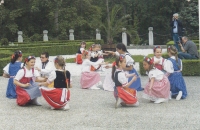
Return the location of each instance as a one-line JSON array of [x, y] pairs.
[[190, 67]]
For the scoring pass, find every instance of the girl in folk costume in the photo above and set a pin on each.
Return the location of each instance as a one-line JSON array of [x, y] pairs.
[[79, 53], [89, 79], [94, 57], [100, 56], [59, 96], [158, 87], [121, 49], [123, 94], [10, 70], [158, 60], [174, 68], [27, 90]]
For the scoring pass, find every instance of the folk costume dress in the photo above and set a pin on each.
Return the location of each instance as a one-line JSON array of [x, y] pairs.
[[78, 58], [27, 94], [175, 77], [160, 88], [12, 70], [129, 61], [96, 60], [88, 77], [127, 95], [160, 64], [58, 96]]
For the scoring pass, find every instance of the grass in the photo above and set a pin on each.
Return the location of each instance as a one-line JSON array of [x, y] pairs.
[[137, 58]]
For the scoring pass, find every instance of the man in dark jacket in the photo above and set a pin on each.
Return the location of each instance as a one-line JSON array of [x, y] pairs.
[[176, 30]]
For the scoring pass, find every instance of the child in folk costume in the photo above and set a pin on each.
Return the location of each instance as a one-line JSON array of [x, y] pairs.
[[79, 53], [121, 49], [59, 96], [100, 56], [158, 87], [158, 60], [174, 68], [123, 94], [89, 79], [10, 70], [27, 90], [94, 57]]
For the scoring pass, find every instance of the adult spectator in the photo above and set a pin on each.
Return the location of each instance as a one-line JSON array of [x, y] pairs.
[[45, 67], [176, 30], [188, 48]]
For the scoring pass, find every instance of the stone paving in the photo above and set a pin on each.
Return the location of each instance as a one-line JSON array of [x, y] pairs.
[[94, 110]]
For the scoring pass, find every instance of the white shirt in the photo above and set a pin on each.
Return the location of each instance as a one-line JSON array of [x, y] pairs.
[[48, 68], [155, 73], [129, 59], [93, 53], [159, 59], [122, 78], [168, 66], [29, 73], [6, 68], [87, 64]]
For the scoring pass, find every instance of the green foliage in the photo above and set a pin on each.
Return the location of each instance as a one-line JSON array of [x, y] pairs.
[[4, 42]]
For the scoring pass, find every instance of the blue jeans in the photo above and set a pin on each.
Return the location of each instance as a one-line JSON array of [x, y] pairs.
[[176, 39], [183, 55]]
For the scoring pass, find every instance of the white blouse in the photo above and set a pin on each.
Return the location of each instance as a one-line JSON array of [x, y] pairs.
[[93, 53], [122, 78], [87, 64], [159, 59], [6, 68], [155, 73], [29, 73], [129, 59], [168, 66]]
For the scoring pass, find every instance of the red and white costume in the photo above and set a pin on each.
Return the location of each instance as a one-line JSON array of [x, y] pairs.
[[58, 96]]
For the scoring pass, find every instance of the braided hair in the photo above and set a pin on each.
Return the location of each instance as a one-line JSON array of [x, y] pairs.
[[174, 52]]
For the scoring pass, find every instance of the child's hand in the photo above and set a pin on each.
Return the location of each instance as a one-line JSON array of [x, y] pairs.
[[27, 85], [134, 78], [37, 69]]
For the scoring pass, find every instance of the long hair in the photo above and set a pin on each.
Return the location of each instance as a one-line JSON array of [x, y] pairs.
[[115, 65], [15, 56], [174, 52], [61, 62]]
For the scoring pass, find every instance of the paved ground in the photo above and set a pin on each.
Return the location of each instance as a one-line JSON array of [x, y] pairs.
[[94, 110]]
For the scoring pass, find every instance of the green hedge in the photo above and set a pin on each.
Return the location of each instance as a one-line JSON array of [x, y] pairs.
[[58, 49], [172, 43], [190, 67]]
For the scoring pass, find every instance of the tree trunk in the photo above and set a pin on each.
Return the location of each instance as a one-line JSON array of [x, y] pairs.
[[108, 18]]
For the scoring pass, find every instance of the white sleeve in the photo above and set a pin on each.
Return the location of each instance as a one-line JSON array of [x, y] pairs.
[[19, 74], [122, 79], [152, 74], [117, 53], [129, 60], [36, 73], [52, 76], [6, 69], [181, 65], [88, 62], [92, 54], [82, 49], [168, 66]]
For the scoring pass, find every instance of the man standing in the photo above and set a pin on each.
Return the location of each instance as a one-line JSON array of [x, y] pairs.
[[45, 67], [189, 49], [176, 26]]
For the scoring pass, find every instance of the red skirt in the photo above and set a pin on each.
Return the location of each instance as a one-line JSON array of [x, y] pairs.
[[57, 97], [88, 79], [79, 59], [22, 96], [128, 95]]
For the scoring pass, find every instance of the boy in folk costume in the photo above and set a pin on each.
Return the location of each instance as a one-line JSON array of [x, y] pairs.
[[10, 70], [26, 88], [59, 96], [123, 94]]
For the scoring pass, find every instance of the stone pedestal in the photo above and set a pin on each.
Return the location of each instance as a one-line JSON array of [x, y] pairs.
[[124, 36], [150, 36], [71, 34], [20, 38], [45, 37], [98, 35]]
